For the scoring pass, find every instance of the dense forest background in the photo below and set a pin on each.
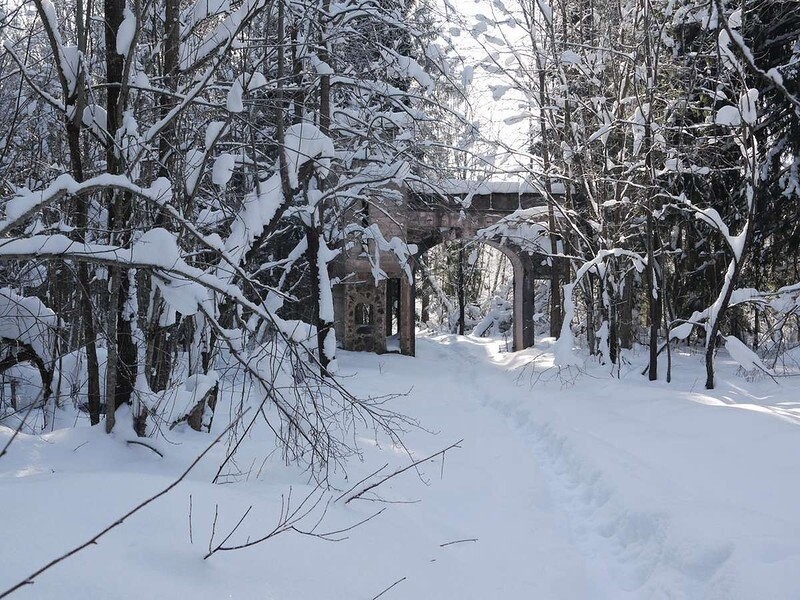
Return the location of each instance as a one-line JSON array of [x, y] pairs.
[[177, 177]]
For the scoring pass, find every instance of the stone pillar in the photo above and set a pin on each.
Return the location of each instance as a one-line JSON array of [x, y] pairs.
[[361, 300], [407, 301], [390, 295], [523, 302]]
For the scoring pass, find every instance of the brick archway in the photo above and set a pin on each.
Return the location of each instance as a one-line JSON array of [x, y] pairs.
[[422, 221]]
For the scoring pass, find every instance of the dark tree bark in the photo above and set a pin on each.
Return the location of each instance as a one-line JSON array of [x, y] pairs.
[[74, 99], [161, 339], [121, 366]]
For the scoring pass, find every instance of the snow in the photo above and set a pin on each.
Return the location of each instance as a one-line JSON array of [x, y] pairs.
[[400, 248], [213, 133], [252, 81], [27, 319], [126, 32], [639, 121], [473, 187], [325, 256], [712, 217], [744, 357], [49, 14], [602, 488], [546, 10], [258, 209], [185, 288], [95, 117], [775, 75], [71, 59], [728, 116], [193, 169], [201, 10], [735, 20], [748, 106], [234, 101], [563, 355], [570, 57], [219, 35], [303, 142], [563, 351], [158, 246], [601, 133], [498, 91], [193, 390], [224, 166], [321, 67], [682, 331], [26, 202], [676, 165]]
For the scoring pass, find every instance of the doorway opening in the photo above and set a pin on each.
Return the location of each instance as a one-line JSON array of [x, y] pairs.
[[466, 287], [393, 314]]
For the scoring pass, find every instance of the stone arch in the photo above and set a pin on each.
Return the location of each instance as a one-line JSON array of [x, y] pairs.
[[523, 265], [424, 219]]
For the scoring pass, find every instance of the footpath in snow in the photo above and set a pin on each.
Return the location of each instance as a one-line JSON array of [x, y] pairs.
[[566, 486]]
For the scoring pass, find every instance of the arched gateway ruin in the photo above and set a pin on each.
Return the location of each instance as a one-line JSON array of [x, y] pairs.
[[420, 220]]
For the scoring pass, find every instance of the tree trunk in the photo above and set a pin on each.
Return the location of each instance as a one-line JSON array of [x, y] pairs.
[[653, 300], [84, 281], [625, 321], [121, 367], [425, 298], [75, 101], [160, 342]]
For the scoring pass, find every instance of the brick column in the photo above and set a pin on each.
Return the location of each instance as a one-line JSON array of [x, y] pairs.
[[523, 302], [407, 301]]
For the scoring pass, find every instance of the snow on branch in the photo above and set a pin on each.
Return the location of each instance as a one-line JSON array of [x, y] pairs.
[[563, 347], [220, 35], [25, 202], [186, 289], [29, 320], [304, 142]]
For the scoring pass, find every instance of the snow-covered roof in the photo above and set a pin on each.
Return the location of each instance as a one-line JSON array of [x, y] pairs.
[[465, 187]]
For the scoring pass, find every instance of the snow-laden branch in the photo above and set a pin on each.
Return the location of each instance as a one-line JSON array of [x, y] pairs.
[[304, 143], [25, 203], [184, 287], [220, 35], [772, 77], [563, 348]]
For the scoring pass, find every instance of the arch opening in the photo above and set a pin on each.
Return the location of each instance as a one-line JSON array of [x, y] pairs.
[[495, 297], [465, 286]]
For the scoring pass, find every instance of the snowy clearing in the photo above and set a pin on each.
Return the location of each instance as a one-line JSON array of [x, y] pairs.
[[566, 486]]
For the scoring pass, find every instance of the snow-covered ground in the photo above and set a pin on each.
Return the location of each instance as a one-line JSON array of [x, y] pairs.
[[566, 485]]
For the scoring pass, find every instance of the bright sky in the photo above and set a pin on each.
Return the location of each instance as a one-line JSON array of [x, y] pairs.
[[472, 31]]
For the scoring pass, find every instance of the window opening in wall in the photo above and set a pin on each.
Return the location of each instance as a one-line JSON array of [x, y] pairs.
[[364, 318]]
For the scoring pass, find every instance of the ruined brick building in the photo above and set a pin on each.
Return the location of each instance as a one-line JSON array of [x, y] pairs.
[[375, 290]]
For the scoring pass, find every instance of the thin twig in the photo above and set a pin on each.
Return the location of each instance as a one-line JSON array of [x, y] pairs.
[[403, 470], [458, 542], [191, 536], [360, 481], [401, 580], [138, 443]]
